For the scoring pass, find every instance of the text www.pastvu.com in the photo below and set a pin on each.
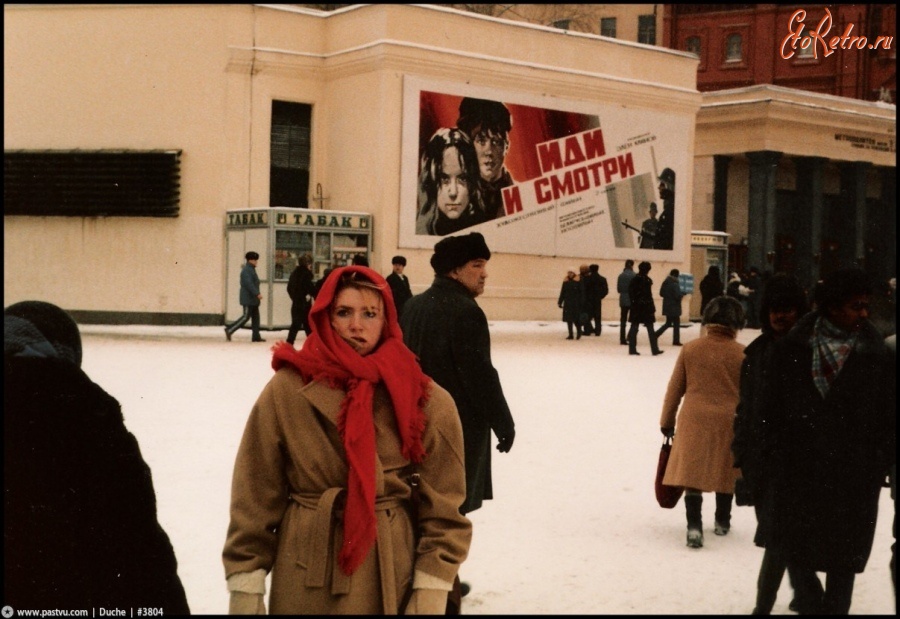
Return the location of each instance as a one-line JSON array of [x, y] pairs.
[[9, 611]]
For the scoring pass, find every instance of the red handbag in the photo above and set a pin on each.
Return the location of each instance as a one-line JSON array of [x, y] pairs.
[[666, 496]]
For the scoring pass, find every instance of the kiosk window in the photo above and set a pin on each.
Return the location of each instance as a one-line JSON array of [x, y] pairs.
[[289, 246]]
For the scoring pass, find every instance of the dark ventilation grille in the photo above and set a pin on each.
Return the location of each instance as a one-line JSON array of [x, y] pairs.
[[92, 183]]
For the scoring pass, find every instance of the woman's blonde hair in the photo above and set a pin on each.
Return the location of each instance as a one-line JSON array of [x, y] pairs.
[[357, 281]]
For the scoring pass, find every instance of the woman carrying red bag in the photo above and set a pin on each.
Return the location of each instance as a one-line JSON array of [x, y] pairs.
[[705, 382]]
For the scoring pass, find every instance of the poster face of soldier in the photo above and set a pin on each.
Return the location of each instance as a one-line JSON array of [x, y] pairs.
[[575, 180]]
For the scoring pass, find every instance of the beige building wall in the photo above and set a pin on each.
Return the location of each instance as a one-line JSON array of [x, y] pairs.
[[201, 78], [795, 123]]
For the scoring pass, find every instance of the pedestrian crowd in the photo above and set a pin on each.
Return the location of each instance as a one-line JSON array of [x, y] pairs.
[[372, 442]]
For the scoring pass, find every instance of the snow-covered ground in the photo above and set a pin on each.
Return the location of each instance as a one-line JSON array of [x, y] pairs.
[[574, 527]]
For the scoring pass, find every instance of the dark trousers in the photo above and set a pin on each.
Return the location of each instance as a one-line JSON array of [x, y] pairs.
[[574, 328], [622, 321], [632, 337], [299, 320], [251, 313], [808, 589], [597, 320], [771, 573], [675, 323]]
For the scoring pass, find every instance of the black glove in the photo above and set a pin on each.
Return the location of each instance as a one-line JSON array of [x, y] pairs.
[[504, 443], [667, 432]]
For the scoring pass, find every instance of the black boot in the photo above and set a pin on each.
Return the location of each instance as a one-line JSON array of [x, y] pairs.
[[693, 504], [723, 513]]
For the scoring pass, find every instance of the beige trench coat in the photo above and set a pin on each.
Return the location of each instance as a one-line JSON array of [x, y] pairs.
[[707, 376], [287, 493]]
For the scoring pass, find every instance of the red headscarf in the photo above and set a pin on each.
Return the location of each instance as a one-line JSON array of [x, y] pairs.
[[325, 357]]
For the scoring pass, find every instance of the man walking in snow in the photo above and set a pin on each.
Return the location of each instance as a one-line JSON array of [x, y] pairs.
[[449, 333]]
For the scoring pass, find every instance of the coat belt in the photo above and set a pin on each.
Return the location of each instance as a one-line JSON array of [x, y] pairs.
[[329, 511]]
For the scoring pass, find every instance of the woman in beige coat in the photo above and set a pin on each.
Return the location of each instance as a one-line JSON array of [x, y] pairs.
[[707, 376], [320, 496]]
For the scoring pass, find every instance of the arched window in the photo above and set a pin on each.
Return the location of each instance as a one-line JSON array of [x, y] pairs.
[[734, 48]]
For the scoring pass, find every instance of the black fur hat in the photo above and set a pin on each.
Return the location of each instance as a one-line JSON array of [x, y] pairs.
[[455, 251]]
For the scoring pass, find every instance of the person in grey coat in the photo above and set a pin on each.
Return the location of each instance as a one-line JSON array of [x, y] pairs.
[[829, 435], [622, 283], [250, 298], [671, 294], [449, 333]]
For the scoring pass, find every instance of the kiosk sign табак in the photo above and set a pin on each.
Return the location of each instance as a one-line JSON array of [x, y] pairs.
[[280, 235]]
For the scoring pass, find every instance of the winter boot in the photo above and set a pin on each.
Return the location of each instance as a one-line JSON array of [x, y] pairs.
[[723, 513], [693, 503]]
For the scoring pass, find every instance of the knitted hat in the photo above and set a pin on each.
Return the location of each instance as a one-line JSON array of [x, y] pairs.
[[725, 311], [398, 260], [54, 324], [455, 251]]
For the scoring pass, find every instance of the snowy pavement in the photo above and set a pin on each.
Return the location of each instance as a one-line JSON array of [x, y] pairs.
[[574, 527]]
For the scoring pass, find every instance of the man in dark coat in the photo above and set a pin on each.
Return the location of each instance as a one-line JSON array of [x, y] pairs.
[[643, 309], [671, 294], [829, 435], [711, 286], [301, 290], [783, 303], [622, 283], [449, 333], [595, 290], [399, 284], [80, 526]]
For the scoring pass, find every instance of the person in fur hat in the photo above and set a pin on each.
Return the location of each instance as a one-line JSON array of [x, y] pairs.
[[449, 333], [829, 436], [80, 525]]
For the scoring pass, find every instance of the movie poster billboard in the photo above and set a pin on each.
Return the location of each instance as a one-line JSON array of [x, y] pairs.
[[542, 176]]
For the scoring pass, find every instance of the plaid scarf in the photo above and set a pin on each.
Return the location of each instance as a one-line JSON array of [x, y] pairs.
[[831, 347], [327, 358]]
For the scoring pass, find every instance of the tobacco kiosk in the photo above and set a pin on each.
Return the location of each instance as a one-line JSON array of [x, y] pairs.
[[280, 235], [708, 248]]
